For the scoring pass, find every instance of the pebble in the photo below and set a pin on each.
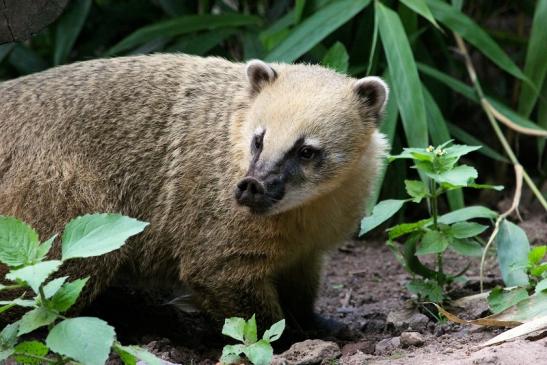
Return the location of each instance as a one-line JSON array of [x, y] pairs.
[[412, 339]]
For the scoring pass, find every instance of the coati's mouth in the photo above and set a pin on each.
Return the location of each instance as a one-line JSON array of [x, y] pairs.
[[258, 196]]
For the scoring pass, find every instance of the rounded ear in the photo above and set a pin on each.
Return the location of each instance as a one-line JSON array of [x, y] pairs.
[[259, 74], [373, 91]]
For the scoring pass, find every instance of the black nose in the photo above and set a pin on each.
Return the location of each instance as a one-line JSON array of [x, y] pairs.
[[249, 192]]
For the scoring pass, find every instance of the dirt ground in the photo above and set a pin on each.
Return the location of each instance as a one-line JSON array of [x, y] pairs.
[[364, 287]]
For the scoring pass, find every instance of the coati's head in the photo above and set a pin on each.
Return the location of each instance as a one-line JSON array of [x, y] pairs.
[[307, 128]]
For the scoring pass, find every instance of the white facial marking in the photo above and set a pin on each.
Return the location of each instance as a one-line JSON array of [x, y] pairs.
[[312, 142]]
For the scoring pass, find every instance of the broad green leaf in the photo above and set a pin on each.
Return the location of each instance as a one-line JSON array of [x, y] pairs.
[[420, 7], [125, 356], [526, 310], [416, 189], [432, 242], [35, 348], [141, 354], [512, 249], [500, 299], [18, 242], [467, 213], [537, 254], [402, 68], [535, 66], [275, 331], [474, 34], [315, 28], [381, 213], [467, 229], [459, 176], [85, 339], [259, 353], [8, 335], [230, 354], [182, 25], [36, 274], [65, 297], [68, 28], [44, 248], [235, 328], [35, 318], [541, 286], [428, 289], [459, 150], [337, 58], [97, 234], [53, 286], [466, 247], [405, 228], [249, 331], [467, 138]]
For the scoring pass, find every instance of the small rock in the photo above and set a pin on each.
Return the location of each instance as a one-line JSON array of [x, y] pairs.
[[387, 345], [357, 358], [412, 339], [364, 346], [404, 319], [309, 352]]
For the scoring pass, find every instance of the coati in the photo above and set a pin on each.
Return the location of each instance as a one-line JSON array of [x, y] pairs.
[[247, 173]]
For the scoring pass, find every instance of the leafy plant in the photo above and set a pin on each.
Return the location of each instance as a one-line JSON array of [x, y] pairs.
[[87, 340], [258, 352], [441, 173]]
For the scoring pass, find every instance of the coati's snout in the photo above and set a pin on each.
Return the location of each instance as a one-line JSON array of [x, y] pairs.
[[258, 195]]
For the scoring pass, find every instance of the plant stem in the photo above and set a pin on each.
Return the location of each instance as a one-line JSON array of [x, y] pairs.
[[14, 286], [43, 299]]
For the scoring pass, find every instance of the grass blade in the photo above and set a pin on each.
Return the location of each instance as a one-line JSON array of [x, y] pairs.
[[468, 139], [403, 70], [535, 66], [420, 7], [68, 28], [315, 28], [182, 25]]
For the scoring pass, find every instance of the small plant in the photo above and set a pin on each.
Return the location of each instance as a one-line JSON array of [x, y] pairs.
[[440, 173], [258, 352], [86, 340]]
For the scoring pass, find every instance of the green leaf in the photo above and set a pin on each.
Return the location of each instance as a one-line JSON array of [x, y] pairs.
[[474, 34], [535, 66], [259, 353], [467, 229], [416, 189], [381, 213], [125, 356], [18, 242], [67, 295], [249, 331], [337, 58], [537, 254], [467, 213], [405, 228], [26, 60], [139, 353], [428, 289], [27, 303], [8, 336], [512, 248], [459, 176], [235, 328], [538, 270], [500, 299], [44, 248], [182, 25], [202, 43], [432, 242], [315, 28], [53, 286], [35, 318], [486, 186], [541, 286], [275, 331], [403, 69], [97, 234], [298, 10], [466, 247], [36, 274], [420, 7], [230, 354], [35, 348], [85, 339], [68, 28]]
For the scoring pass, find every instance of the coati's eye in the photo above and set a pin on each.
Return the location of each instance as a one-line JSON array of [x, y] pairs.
[[307, 153], [257, 141]]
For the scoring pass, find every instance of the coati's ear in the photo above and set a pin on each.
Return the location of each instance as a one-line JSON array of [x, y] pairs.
[[259, 74], [373, 91]]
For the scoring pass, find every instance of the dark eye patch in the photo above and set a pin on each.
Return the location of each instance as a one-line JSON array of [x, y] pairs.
[[257, 142]]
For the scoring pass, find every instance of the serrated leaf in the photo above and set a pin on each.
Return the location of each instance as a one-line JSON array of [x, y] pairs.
[[137, 352], [380, 213], [432, 242], [85, 339], [34, 319], [512, 248], [500, 299], [67, 295], [466, 247], [230, 354], [405, 228], [249, 331], [467, 229], [97, 234], [467, 213], [259, 353], [459, 176], [234, 327], [275, 331], [18, 242], [54, 285], [416, 189], [43, 249], [537, 254], [337, 58], [35, 348], [36, 274]]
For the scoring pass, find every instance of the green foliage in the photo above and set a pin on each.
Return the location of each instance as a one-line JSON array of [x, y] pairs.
[[258, 352], [86, 340], [437, 233]]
